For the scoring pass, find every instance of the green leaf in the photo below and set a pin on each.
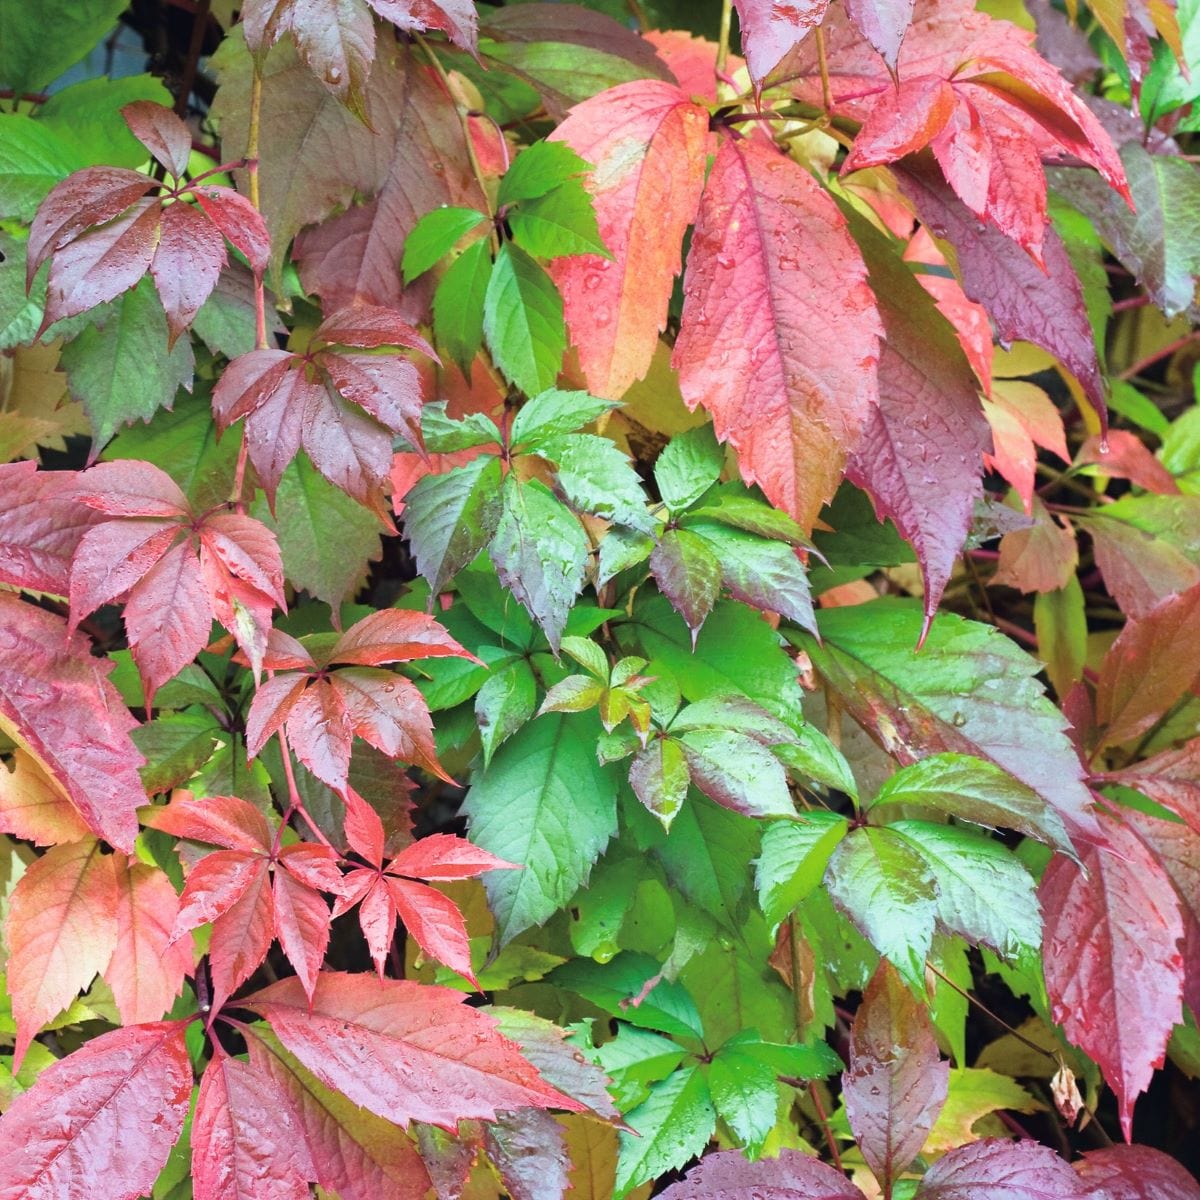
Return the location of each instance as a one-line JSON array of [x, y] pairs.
[[546, 803], [796, 1061], [633, 1060], [540, 553], [738, 772], [538, 169], [523, 321], [613, 986], [226, 321], [814, 757], [20, 314], [33, 158], [458, 304], [599, 910], [969, 690], [984, 892], [888, 891], [597, 478], [756, 571], [576, 693], [87, 117], [443, 435], [672, 1125], [494, 608], [1180, 452], [745, 1094], [659, 778], [175, 746], [1060, 621], [555, 412], [975, 790], [38, 42], [588, 655], [434, 236], [736, 651], [730, 505], [504, 703], [707, 857], [688, 467], [120, 368], [559, 223], [688, 574], [327, 540], [793, 859], [449, 518], [734, 713]]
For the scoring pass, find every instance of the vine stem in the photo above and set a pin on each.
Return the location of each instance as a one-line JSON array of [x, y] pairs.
[[823, 67], [296, 805], [723, 36]]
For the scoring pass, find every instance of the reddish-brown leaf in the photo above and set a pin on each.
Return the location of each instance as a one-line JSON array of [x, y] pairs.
[[1171, 779], [395, 635], [244, 1143], [1026, 302], [240, 222], [147, 969], [404, 1051], [1135, 1173], [354, 1153], [61, 932], [528, 1149], [300, 401], [187, 263], [1150, 666], [1123, 455], [994, 1169], [1114, 972], [455, 18], [40, 526], [57, 704], [780, 335], [646, 144], [118, 1105], [727, 1175], [1041, 558], [896, 1082], [218, 820], [241, 936], [161, 132], [920, 454]]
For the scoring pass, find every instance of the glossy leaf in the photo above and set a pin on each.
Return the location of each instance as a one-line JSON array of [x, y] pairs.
[[791, 1176], [1003, 1170], [1136, 1173]]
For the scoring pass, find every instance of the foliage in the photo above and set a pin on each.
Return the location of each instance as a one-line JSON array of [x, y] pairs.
[[582, 613]]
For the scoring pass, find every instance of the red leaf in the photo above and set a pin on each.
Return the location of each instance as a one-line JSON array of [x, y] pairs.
[[162, 133], [376, 912], [920, 457], [1045, 307], [113, 557], [355, 1154], [147, 969], [294, 401], [435, 924], [999, 1170], [40, 526], [1022, 418], [1114, 973], [455, 18], [218, 820], [902, 121], [395, 635], [321, 733], [404, 1051], [727, 1175], [314, 866], [56, 702], [444, 856], [130, 488], [883, 23], [215, 884], [302, 927], [243, 1139], [1124, 455], [1171, 779], [241, 937], [1041, 558], [1150, 666], [389, 712], [896, 1082], [646, 143], [692, 60], [61, 932], [1136, 1173], [119, 1103], [86, 198], [187, 263], [770, 29], [1177, 848], [780, 333], [239, 221], [99, 265]]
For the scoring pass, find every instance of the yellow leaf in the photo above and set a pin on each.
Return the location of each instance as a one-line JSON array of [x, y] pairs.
[[975, 1093]]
